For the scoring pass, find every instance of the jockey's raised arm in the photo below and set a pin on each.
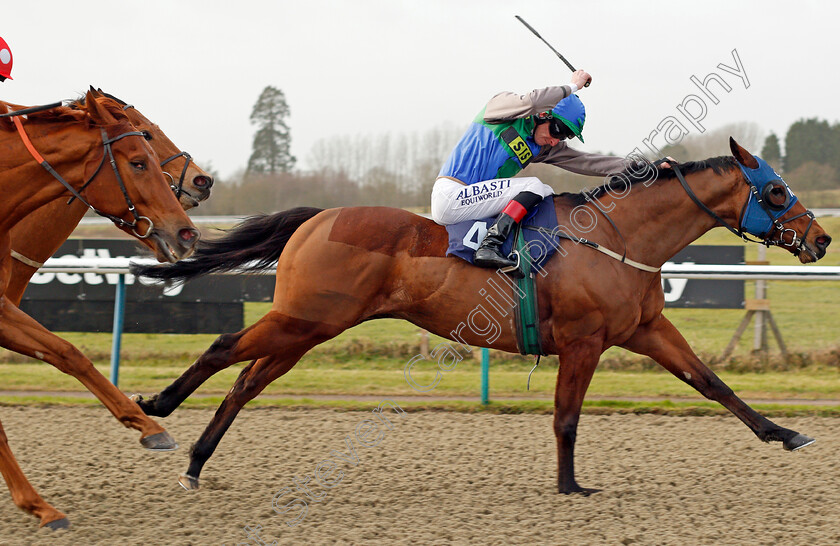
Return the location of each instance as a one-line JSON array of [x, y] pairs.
[[511, 132]]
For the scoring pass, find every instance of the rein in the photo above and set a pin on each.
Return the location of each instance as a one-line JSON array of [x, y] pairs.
[[107, 151]]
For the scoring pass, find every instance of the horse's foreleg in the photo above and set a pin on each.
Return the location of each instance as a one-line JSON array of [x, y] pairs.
[[23, 494], [661, 341], [21, 333], [577, 364], [253, 379], [272, 334]]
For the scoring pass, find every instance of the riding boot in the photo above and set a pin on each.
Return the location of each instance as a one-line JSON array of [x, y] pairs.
[[489, 252]]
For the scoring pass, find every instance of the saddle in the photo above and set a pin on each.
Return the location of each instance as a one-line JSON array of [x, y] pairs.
[[529, 237], [465, 237]]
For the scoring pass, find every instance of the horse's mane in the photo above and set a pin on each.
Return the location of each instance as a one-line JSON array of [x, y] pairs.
[[72, 111], [57, 114], [639, 176]]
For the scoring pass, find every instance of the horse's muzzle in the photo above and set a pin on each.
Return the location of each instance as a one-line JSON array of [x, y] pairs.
[[171, 249], [822, 243]]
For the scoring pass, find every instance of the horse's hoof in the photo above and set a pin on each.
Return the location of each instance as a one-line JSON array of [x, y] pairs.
[[188, 482], [62, 523], [162, 441], [582, 491], [136, 398], [798, 442]]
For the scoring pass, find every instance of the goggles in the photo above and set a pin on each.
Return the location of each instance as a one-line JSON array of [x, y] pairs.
[[558, 129]]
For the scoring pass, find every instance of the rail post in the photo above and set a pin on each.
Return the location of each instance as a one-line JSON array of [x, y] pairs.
[[119, 319], [485, 376]]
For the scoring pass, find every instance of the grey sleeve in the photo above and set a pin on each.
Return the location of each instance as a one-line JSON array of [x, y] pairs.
[[508, 105], [581, 162]]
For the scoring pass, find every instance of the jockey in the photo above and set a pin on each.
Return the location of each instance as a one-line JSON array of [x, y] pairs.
[[511, 132], [5, 61]]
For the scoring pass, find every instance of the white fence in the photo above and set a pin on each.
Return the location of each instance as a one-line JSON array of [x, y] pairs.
[[669, 270]]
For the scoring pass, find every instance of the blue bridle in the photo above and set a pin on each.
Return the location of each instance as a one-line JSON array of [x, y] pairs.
[[762, 211], [761, 214]]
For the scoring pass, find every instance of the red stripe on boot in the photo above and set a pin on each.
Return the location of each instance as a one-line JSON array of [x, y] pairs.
[[515, 210]]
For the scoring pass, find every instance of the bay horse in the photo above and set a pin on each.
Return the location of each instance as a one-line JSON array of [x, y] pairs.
[[337, 268], [40, 234], [92, 153]]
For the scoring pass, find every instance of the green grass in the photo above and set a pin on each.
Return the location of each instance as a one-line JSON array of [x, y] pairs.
[[463, 381]]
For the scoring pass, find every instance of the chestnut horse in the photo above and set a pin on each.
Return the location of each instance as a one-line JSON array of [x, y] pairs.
[[93, 153], [339, 267], [41, 233]]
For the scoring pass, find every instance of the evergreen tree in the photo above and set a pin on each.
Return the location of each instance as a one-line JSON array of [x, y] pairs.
[[808, 140], [772, 152], [271, 148]]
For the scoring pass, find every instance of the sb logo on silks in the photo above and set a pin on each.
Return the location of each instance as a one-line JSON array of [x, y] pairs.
[[521, 149]]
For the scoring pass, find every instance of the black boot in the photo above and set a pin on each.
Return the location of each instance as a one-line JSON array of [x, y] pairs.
[[489, 252]]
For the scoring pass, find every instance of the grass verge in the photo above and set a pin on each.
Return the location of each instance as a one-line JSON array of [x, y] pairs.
[[504, 407]]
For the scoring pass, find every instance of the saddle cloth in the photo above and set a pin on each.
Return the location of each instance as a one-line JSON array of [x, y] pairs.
[[465, 237]]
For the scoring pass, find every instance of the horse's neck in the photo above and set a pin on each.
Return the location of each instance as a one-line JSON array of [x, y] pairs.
[[39, 235], [659, 221], [25, 185]]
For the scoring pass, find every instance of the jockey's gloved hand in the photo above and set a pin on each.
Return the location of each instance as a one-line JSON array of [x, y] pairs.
[[579, 79]]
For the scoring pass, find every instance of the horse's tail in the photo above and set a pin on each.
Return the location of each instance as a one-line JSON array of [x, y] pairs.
[[254, 244]]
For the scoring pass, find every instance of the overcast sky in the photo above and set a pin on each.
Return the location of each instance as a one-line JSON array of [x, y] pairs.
[[376, 66]]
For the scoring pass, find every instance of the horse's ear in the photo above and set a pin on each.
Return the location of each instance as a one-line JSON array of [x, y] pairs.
[[741, 155], [98, 113]]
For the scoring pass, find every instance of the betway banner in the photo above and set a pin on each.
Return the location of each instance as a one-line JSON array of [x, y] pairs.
[[700, 293], [84, 302]]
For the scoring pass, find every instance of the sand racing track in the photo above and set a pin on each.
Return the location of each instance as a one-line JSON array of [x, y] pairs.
[[434, 478]]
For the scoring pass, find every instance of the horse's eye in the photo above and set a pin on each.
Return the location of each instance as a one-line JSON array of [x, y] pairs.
[[139, 165], [147, 135], [777, 195]]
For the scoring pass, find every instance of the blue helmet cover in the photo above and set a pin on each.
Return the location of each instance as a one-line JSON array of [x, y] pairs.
[[757, 219], [572, 113]]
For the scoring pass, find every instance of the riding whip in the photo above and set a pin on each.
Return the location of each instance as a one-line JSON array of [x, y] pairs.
[[537, 34]]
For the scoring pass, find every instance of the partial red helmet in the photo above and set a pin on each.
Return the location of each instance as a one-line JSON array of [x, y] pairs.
[[5, 60]]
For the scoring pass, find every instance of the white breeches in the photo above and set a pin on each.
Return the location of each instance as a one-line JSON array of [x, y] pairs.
[[453, 202]]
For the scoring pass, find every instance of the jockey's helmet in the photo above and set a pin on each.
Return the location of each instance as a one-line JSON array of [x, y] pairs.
[[572, 114], [5, 60]]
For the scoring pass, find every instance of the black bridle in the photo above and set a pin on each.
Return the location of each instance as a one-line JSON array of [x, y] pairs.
[[179, 189], [107, 152], [795, 242]]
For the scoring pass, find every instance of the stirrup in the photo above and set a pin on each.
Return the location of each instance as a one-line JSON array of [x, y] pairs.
[[512, 268]]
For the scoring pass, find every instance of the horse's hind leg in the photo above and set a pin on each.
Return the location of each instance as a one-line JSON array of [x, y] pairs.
[[23, 494], [272, 334], [661, 341], [253, 379], [21, 333]]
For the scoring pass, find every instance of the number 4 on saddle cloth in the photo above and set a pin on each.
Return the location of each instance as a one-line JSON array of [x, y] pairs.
[[530, 237]]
